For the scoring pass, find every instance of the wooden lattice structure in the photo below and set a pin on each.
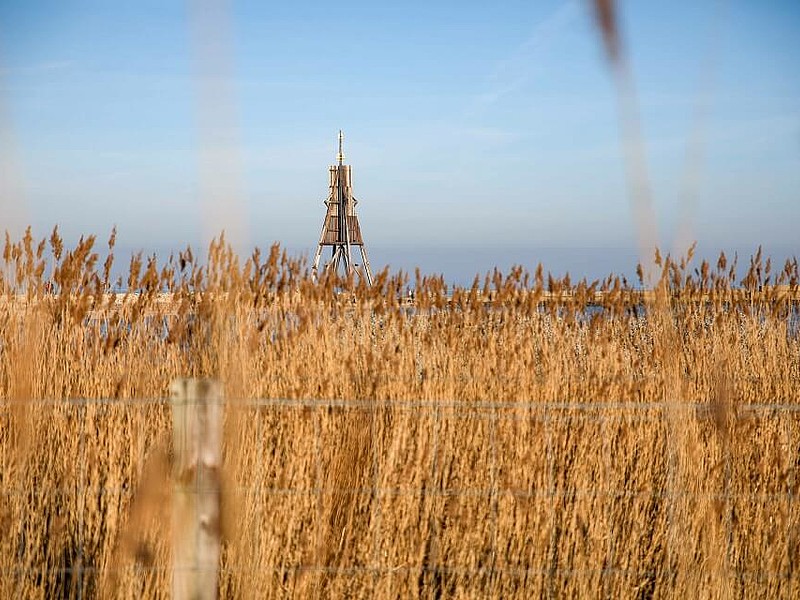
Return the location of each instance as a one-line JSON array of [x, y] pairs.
[[341, 230]]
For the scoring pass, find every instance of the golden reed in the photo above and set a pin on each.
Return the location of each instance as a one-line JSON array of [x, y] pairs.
[[501, 440]]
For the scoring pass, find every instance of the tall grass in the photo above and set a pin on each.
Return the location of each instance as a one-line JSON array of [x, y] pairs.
[[494, 444]]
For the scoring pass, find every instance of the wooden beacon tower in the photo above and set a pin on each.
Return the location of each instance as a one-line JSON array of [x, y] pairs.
[[341, 230]]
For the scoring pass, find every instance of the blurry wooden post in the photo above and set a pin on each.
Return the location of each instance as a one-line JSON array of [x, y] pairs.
[[197, 440]]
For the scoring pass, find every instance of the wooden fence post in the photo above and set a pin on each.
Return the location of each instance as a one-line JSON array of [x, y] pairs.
[[197, 439]]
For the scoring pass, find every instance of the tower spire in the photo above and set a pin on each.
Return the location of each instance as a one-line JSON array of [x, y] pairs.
[[340, 156]]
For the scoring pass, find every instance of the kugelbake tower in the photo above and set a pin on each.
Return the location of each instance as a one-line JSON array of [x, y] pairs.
[[341, 230]]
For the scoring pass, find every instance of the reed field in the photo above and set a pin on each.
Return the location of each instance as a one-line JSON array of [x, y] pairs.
[[506, 440]]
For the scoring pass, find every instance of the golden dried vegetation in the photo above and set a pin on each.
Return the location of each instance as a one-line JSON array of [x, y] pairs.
[[525, 437]]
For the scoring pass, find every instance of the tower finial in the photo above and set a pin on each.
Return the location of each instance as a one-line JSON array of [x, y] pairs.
[[340, 156]]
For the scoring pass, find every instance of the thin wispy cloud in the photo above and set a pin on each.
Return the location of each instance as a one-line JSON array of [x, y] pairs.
[[54, 65], [46, 66], [491, 135], [513, 72]]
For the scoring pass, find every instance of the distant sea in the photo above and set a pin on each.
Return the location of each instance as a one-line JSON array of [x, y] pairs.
[[459, 266]]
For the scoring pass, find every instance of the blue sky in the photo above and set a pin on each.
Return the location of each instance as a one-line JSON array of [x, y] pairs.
[[478, 134]]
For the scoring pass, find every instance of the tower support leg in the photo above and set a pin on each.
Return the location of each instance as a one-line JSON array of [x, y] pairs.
[[367, 268]]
